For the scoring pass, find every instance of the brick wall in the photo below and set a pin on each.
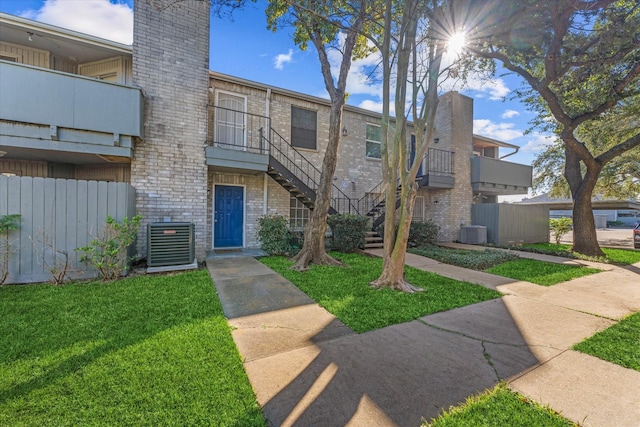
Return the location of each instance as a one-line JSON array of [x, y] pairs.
[[170, 65], [454, 127]]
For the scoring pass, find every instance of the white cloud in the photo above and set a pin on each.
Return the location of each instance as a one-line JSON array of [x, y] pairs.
[[500, 131], [538, 143], [99, 18], [363, 78], [509, 114], [283, 58], [495, 88]]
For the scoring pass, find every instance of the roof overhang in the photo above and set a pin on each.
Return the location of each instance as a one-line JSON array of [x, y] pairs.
[[68, 44], [483, 141]]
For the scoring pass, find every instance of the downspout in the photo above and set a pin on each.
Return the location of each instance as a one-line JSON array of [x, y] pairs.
[[510, 154], [265, 195]]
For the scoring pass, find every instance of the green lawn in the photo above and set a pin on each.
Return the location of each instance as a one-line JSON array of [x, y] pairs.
[[150, 350], [618, 344], [497, 408], [345, 292], [613, 255], [507, 264], [540, 272]]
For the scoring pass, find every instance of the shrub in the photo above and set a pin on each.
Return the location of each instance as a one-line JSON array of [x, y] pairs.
[[274, 235], [348, 231], [559, 227], [423, 233], [108, 252], [476, 260], [7, 223], [420, 233]]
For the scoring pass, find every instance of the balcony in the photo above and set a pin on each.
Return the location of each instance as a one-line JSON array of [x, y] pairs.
[[47, 114], [237, 141], [493, 177], [438, 165]]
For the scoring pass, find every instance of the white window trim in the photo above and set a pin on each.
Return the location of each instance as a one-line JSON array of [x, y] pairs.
[[219, 92], [370, 140]]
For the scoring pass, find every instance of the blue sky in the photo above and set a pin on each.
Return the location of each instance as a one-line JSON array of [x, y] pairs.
[[243, 47]]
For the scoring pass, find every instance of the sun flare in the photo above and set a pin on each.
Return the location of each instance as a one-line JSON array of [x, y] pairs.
[[456, 43]]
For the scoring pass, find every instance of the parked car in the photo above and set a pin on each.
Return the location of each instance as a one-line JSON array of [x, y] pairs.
[[636, 237]]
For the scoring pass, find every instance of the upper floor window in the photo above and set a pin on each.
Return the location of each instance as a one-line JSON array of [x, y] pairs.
[[304, 125], [373, 140]]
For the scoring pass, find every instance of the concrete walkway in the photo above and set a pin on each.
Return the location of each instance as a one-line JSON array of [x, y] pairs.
[[307, 368]]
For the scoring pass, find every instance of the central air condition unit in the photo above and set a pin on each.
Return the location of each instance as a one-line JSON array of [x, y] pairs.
[[473, 234], [170, 244]]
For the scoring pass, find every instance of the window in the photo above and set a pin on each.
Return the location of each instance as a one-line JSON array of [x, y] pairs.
[[299, 214], [303, 128], [230, 121], [373, 142]]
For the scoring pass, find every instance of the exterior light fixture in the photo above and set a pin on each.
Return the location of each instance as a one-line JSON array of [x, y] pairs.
[[436, 140], [344, 131], [30, 36]]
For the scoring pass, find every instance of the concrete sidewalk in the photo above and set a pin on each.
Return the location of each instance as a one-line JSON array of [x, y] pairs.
[[308, 368]]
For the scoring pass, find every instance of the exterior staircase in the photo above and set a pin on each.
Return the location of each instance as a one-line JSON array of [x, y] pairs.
[[289, 168], [373, 240]]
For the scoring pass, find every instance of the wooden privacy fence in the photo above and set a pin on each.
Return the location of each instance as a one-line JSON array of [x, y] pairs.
[[58, 216]]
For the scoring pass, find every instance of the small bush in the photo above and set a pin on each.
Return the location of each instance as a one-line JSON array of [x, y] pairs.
[[559, 227], [423, 233], [108, 252], [274, 235], [7, 223], [348, 231]]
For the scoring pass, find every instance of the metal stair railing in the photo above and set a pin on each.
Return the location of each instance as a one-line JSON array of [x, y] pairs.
[[438, 162], [292, 160]]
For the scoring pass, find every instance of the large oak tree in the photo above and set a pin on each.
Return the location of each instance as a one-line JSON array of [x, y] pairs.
[[581, 62]]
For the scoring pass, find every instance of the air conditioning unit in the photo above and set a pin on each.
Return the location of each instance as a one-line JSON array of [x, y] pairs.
[[473, 234], [170, 244]]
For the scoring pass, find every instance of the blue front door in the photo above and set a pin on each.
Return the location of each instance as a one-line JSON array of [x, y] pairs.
[[228, 216]]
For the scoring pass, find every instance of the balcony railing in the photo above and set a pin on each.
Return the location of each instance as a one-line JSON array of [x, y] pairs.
[[439, 162], [237, 130], [44, 97], [493, 176]]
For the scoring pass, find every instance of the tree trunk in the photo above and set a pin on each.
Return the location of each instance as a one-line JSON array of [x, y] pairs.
[[313, 249], [585, 240], [392, 275]]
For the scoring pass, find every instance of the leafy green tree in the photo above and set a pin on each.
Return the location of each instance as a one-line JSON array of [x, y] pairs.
[[619, 179], [580, 60], [326, 25]]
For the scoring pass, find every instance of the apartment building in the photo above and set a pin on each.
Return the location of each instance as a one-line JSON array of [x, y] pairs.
[[211, 149]]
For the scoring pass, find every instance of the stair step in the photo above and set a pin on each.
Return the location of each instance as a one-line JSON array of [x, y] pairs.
[[374, 245]]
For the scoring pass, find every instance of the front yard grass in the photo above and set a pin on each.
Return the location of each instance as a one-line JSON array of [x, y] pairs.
[[613, 255], [499, 407], [618, 344], [149, 350], [345, 292], [506, 264], [540, 272]]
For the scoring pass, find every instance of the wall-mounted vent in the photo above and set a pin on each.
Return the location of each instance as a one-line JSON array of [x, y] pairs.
[[473, 234], [170, 243]]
